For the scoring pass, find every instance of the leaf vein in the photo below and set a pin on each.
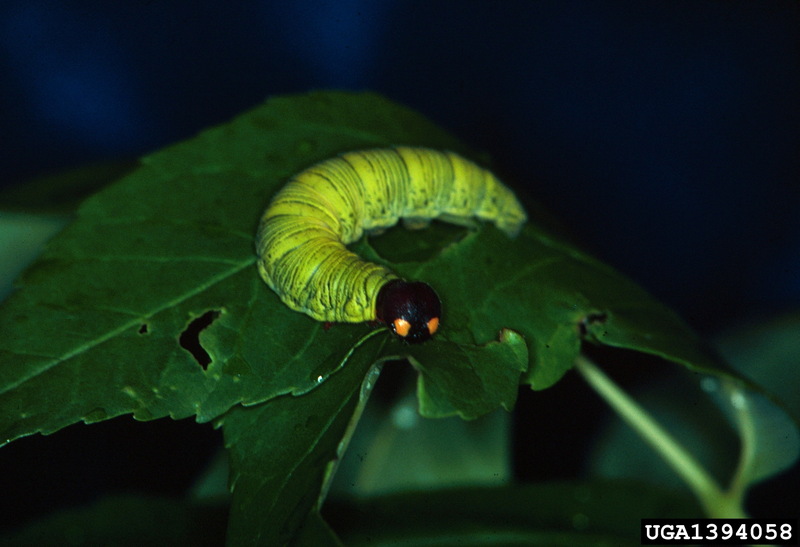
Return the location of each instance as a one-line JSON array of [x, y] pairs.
[[97, 341]]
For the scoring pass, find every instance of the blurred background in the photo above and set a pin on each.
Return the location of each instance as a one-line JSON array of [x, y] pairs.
[[664, 135]]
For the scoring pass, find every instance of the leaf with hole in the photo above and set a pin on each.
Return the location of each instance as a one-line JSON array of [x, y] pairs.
[[149, 303]]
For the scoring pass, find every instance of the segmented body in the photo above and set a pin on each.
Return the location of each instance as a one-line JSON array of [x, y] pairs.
[[302, 236]]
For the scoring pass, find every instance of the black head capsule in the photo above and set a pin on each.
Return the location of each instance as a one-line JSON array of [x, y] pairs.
[[410, 309]]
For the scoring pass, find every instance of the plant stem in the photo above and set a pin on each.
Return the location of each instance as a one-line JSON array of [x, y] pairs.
[[715, 502]]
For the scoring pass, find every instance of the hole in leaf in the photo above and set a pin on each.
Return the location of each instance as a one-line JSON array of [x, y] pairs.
[[144, 329], [190, 337], [400, 244]]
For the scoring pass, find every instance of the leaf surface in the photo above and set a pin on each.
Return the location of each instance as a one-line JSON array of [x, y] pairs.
[[149, 304]]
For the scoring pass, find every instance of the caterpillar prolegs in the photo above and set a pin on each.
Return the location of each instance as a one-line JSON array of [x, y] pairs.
[[302, 236]]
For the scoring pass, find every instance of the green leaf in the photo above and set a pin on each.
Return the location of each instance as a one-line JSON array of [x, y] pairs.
[[315, 532], [281, 451], [770, 441], [109, 320], [588, 513], [692, 419], [22, 237], [768, 352], [97, 322], [394, 449], [149, 304], [477, 380]]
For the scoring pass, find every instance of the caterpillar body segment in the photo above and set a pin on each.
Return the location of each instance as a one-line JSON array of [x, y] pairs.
[[302, 238]]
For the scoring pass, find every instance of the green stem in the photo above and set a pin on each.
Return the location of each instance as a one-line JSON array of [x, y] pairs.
[[715, 502], [747, 454]]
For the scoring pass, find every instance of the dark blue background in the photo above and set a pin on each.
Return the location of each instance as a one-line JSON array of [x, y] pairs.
[[665, 134]]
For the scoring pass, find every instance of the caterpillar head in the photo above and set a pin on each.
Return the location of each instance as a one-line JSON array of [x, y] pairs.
[[410, 309]]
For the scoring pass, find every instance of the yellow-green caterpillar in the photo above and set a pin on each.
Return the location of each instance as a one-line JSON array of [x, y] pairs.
[[302, 236]]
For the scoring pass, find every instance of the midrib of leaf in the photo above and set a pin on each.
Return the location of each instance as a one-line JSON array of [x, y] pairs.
[[89, 345], [309, 452], [515, 280]]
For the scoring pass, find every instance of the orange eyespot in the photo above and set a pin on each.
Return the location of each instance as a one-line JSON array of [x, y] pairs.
[[433, 325], [401, 327]]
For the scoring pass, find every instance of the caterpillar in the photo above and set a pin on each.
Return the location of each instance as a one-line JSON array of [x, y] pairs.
[[303, 232]]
